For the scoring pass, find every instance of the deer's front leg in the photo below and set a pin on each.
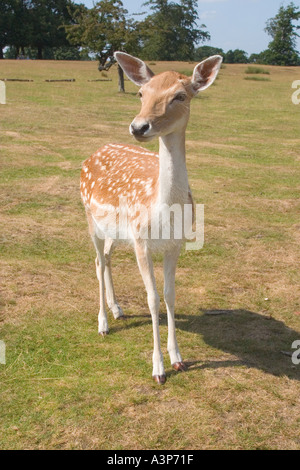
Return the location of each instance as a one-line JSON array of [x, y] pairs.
[[146, 269], [170, 262], [100, 268]]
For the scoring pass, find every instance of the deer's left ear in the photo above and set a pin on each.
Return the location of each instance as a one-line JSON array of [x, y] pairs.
[[135, 69], [206, 72]]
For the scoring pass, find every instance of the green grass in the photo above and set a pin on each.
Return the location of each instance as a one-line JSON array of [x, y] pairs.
[[258, 79], [187, 72], [257, 70], [64, 387]]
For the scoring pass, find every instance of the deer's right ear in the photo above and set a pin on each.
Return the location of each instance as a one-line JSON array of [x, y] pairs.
[[135, 69]]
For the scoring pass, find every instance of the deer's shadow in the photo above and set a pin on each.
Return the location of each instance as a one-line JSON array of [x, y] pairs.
[[253, 339]]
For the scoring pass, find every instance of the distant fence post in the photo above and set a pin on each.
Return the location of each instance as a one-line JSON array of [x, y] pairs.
[[2, 93]]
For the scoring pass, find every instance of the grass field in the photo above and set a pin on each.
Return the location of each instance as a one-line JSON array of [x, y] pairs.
[[63, 386]]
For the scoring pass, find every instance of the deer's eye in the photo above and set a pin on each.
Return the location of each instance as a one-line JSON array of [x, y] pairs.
[[180, 97], [140, 94]]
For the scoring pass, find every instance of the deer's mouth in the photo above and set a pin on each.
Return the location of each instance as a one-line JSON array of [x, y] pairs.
[[144, 138]]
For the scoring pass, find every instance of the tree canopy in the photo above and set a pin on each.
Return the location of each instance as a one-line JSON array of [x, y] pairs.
[[35, 24], [103, 29], [283, 30], [171, 31], [203, 52], [237, 56], [5, 25]]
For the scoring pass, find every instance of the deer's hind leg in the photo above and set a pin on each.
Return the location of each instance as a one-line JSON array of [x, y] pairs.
[[109, 287]]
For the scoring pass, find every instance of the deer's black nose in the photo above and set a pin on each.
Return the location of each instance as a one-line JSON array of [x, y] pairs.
[[139, 130]]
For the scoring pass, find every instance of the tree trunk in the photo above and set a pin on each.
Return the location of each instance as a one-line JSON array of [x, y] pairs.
[[40, 53], [121, 79], [1, 53]]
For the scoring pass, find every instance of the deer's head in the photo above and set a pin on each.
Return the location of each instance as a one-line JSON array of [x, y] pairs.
[[165, 97]]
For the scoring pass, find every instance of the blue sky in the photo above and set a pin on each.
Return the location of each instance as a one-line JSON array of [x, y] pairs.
[[233, 24]]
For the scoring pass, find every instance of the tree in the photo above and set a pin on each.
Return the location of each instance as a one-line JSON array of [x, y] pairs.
[[189, 32], [283, 30], [261, 58], [103, 30], [204, 52], [171, 31], [14, 24], [34, 24], [236, 57], [49, 53], [47, 18], [5, 24]]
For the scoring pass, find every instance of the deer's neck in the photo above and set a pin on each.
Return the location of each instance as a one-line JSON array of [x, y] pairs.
[[173, 178]]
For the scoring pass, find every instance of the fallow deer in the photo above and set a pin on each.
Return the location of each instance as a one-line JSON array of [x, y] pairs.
[[138, 177]]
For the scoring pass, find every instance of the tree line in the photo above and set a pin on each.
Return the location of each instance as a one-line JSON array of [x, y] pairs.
[[62, 29], [33, 27]]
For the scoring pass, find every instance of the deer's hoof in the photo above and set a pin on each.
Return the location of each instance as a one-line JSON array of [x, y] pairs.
[[103, 333], [121, 317], [179, 366], [117, 312], [159, 379]]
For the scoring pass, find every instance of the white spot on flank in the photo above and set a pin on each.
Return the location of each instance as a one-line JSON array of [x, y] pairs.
[[148, 189]]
